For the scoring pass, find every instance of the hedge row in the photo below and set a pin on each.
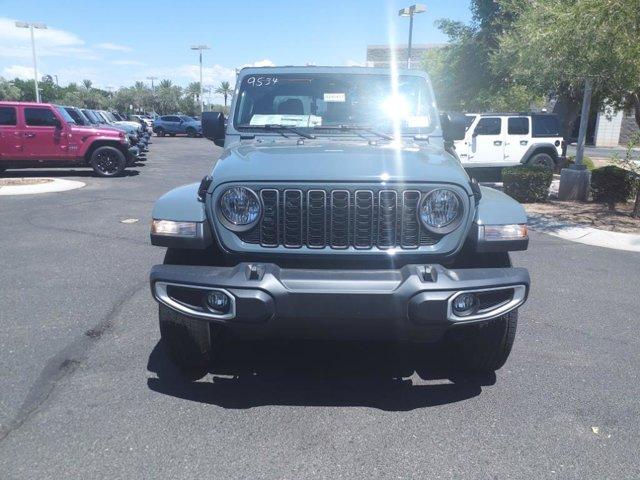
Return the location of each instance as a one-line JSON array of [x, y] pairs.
[[527, 184]]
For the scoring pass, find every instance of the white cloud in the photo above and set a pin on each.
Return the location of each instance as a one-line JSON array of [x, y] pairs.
[[113, 46], [261, 63], [16, 42], [354, 63], [127, 62], [18, 71]]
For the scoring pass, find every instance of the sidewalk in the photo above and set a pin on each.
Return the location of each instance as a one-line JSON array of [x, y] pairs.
[[583, 234]]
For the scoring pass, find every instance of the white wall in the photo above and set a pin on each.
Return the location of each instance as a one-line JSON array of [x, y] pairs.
[[608, 125]]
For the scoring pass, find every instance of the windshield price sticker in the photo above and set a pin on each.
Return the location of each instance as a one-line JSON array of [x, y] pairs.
[[262, 81], [335, 97]]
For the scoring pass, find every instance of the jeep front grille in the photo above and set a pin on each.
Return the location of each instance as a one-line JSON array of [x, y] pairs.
[[339, 219]]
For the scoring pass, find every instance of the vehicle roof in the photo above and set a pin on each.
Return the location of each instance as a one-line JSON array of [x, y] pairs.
[[519, 114], [13, 103], [329, 69]]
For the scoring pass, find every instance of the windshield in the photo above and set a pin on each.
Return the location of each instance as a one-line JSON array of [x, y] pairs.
[[109, 116], [186, 119], [312, 100], [64, 114]]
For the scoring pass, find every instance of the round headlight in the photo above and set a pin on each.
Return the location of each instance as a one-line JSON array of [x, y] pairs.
[[440, 210], [240, 208]]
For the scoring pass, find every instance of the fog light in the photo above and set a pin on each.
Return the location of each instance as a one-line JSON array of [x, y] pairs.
[[464, 304], [218, 302]]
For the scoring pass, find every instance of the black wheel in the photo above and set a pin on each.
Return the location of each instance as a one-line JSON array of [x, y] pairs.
[[542, 160], [160, 132], [191, 132], [172, 134], [108, 161], [483, 348], [187, 342]]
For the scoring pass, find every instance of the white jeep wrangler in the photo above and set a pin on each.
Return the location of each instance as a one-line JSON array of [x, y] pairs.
[[508, 139]]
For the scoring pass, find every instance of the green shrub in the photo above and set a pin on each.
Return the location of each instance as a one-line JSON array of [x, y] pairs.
[[527, 184], [611, 185], [586, 161]]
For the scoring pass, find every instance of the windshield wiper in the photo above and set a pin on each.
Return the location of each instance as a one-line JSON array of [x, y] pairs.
[[354, 128], [276, 127]]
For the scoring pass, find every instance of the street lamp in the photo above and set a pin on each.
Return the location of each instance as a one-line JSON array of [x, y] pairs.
[[410, 12], [31, 26], [152, 79], [200, 48]]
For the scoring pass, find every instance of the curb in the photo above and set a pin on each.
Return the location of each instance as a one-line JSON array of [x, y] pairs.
[[582, 234], [55, 185]]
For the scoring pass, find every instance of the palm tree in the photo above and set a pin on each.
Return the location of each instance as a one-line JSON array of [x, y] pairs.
[[193, 91], [225, 90], [87, 84]]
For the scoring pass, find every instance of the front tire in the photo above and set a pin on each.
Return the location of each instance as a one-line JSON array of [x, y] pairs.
[[108, 161], [160, 132], [483, 348], [191, 132], [542, 160]]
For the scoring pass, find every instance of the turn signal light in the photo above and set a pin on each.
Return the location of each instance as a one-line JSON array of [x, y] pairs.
[[504, 232]]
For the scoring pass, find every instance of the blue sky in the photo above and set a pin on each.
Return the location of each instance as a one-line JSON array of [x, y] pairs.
[[116, 43]]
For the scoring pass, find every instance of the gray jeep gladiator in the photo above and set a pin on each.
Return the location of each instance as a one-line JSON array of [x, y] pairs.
[[336, 211]]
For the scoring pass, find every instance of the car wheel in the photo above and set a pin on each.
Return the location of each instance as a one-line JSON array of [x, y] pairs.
[[542, 160], [483, 348], [160, 132], [191, 132], [108, 161], [186, 341], [172, 134]]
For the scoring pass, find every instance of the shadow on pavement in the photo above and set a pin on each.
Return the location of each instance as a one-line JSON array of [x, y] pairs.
[[63, 172], [318, 374]]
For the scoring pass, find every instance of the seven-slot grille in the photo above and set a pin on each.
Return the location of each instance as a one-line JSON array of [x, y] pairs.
[[339, 219]]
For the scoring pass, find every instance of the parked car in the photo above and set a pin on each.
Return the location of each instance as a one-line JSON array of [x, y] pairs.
[[334, 214], [81, 119], [177, 124], [508, 139], [45, 135], [138, 137], [142, 119]]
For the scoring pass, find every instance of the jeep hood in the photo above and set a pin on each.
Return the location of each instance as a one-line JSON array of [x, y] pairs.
[[347, 161]]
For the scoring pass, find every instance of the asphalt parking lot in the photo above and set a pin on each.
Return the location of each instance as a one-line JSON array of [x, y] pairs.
[[87, 392]]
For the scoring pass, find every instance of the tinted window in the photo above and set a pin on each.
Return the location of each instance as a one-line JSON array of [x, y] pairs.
[[166, 119], [7, 116], [488, 126], [39, 117], [468, 120], [518, 126], [546, 126]]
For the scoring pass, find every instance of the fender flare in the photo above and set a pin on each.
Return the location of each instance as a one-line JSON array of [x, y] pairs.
[[548, 148]]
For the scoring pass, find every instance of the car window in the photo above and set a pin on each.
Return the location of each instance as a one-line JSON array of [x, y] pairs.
[[546, 126], [489, 126], [7, 116], [468, 121], [518, 126], [40, 117], [165, 118], [174, 119]]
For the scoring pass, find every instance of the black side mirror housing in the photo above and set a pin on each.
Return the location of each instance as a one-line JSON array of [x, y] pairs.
[[213, 127], [453, 126]]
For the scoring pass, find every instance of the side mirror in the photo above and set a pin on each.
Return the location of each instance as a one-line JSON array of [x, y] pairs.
[[213, 127], [453, 126]]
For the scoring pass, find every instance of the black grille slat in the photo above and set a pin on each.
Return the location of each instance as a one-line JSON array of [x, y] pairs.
[[292, 218], [321, 218], [340, 209], [363, 219], [316, 218], [410, 228], [269, 223], [387, 218]]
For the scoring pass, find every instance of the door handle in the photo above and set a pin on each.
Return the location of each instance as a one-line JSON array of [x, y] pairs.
[[29, 135], [497, 143]]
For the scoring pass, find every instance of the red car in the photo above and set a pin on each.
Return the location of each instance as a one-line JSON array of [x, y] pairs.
[[44, 135]]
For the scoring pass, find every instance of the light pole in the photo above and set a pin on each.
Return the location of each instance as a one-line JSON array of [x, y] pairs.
[[200, 48], [152, 79], [31, 26], [410, 12]]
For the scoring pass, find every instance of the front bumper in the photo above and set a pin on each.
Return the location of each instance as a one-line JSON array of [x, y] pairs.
[[410, 304]]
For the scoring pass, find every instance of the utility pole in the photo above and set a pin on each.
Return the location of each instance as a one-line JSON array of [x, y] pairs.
[[31, 26], [575, 180], [410, 12], [152, 79], [200, 48]]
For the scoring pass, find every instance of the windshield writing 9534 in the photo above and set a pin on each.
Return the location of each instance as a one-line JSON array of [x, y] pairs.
[[261, 81]]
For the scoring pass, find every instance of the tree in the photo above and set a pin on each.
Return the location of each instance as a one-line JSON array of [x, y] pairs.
[[8, 91], [225, 90], [553, 46], [462, 73], [87, 84]]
